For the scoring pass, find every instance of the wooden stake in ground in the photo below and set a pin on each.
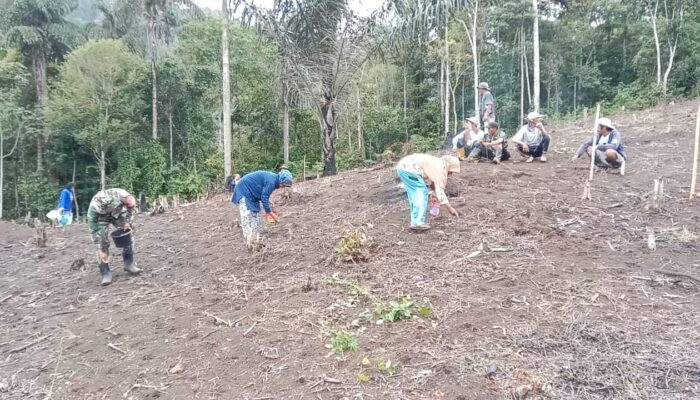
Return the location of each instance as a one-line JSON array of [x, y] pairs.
[[587, 188], [695, 155]]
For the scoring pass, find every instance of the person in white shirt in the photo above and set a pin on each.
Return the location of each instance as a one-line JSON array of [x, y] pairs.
[[532, 141], [609, 149], [469, 138]]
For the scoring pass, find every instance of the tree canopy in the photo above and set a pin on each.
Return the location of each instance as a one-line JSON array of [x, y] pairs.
[[84, 96]]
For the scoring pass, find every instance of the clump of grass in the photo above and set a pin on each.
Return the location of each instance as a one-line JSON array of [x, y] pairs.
[[343, 341], [354, 246], [400, 309]]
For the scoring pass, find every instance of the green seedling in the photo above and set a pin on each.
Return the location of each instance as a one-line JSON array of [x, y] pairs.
[[396, 311], [343, 341]]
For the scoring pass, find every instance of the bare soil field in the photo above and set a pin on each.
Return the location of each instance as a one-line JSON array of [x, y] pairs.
[[531, 293]]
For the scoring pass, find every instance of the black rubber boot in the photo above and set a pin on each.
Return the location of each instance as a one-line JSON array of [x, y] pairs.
[[129, 264], [106, 274]]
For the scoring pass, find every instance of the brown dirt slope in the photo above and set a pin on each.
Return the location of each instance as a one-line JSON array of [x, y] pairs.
[[532, 292]]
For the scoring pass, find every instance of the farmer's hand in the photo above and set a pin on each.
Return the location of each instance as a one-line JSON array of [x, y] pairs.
[[574, 158], [452, 210], [526, 148], [271, 217], [127, 227]]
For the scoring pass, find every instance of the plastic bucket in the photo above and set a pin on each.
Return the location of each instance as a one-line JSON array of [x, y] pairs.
[[121, 238]]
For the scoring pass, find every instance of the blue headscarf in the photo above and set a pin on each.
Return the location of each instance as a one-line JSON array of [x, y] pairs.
[[285, 177]]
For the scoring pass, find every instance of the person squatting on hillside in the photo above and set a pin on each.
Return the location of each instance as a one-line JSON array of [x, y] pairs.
[[493, 146], [532, 140], [487, 104], [465, 141], [253, 189], [419, 172], [63, 214], [609, 150], [112, 207]]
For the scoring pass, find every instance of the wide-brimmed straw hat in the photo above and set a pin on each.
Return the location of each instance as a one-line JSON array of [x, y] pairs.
[[534, 115], [473, 120], [452, 164], [606, 122]]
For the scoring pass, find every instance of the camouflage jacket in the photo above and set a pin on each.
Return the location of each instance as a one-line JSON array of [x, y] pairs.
[[110, 204]]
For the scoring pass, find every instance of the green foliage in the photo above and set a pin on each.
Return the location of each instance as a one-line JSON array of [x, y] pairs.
[[425, 143], [153, 169], [187, 185], [95, 99], [637, 95], [343, 341], [38, 195], [396, 310]]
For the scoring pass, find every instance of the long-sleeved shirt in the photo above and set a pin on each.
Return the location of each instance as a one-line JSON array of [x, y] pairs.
[[529, 135], [471, 138], [65, 201], [612, 141], [256, 187], [431, 168], [109, 204]]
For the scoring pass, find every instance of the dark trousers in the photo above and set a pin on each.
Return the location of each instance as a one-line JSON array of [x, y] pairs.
[[537, 150]]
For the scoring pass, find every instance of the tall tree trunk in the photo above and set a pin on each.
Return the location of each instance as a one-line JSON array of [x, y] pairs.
[[405, 102], [522, 77], [327, 120], [536, 57], [154, 101], [447, 77], [285, 120], [226, 92], [153, 45], [672, 48], [170, 130], [475, 58], [442, 88], [75, 197], [103, 166], [39, 65], [656, 42]]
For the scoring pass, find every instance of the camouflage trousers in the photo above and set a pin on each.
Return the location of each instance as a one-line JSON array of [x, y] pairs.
[[99, 230]]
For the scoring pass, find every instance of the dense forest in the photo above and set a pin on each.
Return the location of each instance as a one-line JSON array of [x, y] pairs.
[[133, 94]]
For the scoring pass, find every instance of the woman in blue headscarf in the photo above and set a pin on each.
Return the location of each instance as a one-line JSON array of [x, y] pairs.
[[253, 189]]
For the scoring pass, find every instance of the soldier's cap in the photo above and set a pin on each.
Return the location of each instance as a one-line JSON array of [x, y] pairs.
[[483, 85], [492, 125]]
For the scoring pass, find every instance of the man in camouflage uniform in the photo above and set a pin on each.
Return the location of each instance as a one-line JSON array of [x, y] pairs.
[[115, 207], [493, 146]]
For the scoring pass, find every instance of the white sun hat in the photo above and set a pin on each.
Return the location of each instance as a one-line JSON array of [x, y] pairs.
[[534, 115], [606, 122]]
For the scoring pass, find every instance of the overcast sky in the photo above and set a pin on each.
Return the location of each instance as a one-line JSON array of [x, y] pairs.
[[362, 7]]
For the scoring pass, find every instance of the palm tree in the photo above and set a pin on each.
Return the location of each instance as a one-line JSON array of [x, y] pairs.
[[40, 30], [161, 19], [322, 46]]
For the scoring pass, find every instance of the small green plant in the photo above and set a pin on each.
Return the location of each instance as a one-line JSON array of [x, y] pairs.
[[354, 246], [397, 310], [343, 341]]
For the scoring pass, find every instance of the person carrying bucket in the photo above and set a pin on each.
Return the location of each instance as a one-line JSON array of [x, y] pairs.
[[253, 189], [113, 207], [63, 213], [420, 172]]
